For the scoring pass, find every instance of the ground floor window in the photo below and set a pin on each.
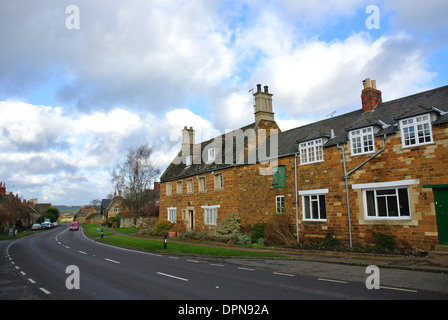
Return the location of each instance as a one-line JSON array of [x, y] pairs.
[[172, 215], [280, 204], [387, 203], [386, 200], [314, 204], [210, 215]]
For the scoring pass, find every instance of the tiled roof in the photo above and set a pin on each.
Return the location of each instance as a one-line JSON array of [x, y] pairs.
[[335, 130]]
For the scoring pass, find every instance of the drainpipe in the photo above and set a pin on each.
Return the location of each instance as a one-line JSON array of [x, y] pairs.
[[346, 176], [297, 210]]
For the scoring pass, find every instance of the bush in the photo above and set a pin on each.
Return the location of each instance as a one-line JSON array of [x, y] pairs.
[[162, 226], [384, 241], [230, 227], [257, 232], [279, 231]]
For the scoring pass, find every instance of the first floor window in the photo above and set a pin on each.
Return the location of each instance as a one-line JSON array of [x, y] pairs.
[[387, 203], [280, 204], [311, 151], [416, 131], [362, 141], [172, 215], [210, 215], [219, 182]]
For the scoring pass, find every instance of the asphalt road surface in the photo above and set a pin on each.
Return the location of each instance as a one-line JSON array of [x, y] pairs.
[[65, 265]]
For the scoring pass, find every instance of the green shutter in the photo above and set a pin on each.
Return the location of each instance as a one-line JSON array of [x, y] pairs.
[[279, 177]]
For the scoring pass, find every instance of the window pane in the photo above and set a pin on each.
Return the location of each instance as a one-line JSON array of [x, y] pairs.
[[385, 192], [307, 207], [322, 207], [392, 206], [382, 208], [404, 202], [315, 209], [370, 203]]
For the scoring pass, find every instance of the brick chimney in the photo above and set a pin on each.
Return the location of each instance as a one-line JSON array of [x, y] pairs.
[[156, 185], [2, 188], [370, 96], [263, 104], [187, 142]]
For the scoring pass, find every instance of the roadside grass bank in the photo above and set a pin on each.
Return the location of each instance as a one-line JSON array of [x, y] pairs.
[[182, 248]]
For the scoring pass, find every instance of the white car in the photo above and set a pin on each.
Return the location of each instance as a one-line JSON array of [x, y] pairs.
[[36, 226]]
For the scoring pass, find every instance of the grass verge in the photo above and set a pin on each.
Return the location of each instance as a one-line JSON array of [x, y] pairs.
[[183, 248]]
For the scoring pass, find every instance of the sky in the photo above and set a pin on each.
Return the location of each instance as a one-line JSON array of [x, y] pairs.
[[81, 82]]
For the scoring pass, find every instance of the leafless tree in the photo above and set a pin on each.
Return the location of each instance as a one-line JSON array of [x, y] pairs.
[[133, 176]]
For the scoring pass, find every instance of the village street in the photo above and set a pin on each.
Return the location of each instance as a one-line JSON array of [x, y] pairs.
[[41, 267]]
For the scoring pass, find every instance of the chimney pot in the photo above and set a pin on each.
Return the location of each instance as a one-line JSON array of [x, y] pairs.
[[266, 89], [258, 87]]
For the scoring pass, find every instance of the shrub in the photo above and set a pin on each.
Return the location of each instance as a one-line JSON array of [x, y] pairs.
[[279, 231], [257, 232], [384, 241], [162, 226], [229, 227]]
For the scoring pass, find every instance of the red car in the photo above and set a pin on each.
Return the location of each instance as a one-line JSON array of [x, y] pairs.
[[74, 226]]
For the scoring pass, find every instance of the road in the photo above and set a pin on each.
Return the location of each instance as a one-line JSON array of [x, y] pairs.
[[107, 273]]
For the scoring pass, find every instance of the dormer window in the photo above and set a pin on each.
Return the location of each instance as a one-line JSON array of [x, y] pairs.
[[188, 161], [211, 154], [416, 131], [361, 141], [311, 151]]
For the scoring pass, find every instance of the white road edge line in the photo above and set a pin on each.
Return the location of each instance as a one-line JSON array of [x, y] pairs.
[[171, 276], [247, 269], [82, 252], [45, 291], [31, 280], [331, 280], [398, 289], [284, 274], [110, 260]]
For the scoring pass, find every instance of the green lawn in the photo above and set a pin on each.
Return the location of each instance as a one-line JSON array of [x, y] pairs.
[[182, 248]]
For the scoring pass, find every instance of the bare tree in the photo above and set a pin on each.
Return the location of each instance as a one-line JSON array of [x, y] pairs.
[[133, 176]]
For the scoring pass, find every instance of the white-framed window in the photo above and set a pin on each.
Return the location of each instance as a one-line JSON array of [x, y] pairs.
[[179, 187], [280, 204], [386, 200], [188, 160], [190, 186], [172, 214], [219, 182], [202, 187], [311, 151], [168, 188], [362, 141], [211, 154], [210, 214], [314, 207], [416, 131]]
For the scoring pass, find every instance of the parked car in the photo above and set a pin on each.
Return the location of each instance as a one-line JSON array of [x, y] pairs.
[[36, 226], [74, 226], [46, 225]]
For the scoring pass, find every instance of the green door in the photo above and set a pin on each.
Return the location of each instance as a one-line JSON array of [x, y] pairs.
[[441, 202]]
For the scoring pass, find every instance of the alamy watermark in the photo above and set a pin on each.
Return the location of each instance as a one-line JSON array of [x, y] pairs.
[[373, 20], [73, 21], [373, 280], [73, 280]]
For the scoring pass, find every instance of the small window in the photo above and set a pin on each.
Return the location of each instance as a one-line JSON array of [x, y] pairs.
[[188, 161], [279, 177], [311, 151], [179, 187], [362, 141], [202, 184], [219, 183], [168, 189], [172, 214], [280, 204], [314, 207], [416, 131], [211, 154], [190, 186]]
